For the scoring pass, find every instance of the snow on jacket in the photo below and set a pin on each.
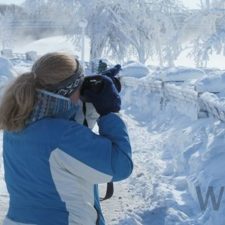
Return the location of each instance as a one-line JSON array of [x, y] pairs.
[[53, 166]]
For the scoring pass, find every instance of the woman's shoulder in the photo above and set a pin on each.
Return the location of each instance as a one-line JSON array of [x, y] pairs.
[[52, 124], [46, 129]]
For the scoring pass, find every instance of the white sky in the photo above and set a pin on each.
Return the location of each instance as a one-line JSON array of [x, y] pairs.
[[191, 3], [187, 3], [11, 1]]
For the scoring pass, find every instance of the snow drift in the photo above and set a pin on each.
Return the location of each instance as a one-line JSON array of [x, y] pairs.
[[193, 153], [134, 70], [215, 83]]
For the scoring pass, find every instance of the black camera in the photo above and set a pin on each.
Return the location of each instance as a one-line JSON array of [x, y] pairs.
[[96, 84]]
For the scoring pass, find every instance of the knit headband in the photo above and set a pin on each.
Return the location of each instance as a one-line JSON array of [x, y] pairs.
[[68, 86]]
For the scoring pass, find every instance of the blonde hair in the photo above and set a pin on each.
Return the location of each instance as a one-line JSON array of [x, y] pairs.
[[20, 97]]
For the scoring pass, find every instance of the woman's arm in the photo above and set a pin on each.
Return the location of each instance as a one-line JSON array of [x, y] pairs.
[[96, 158]]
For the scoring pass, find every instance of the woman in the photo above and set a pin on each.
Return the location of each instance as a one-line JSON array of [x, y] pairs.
[[52, 163]]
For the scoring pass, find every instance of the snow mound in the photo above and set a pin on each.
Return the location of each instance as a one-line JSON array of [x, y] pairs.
[[45, 45], [6, 68], [137, 70], [192, 155], [181, 74], [214, 83], [7, 73], [52, 44]]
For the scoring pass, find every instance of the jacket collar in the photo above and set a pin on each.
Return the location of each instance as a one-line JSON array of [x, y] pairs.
[[52, 105]]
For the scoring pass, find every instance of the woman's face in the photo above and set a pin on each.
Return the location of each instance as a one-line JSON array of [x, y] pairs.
[[75, 96]]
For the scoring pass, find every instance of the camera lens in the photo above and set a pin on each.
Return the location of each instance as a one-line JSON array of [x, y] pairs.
[[92, 83]]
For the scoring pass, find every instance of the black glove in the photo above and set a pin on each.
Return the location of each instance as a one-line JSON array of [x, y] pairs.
[[112, 73], [107, 99]]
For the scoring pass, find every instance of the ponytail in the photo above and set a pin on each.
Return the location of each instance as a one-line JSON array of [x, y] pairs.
[[19, 99], [17, 102]]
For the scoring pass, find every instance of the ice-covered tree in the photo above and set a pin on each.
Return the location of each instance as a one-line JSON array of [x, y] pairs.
[[34, 7], [218, 4], [6, 36], [205, 30], [9, 16], [135, 23], [164, 28], [64, 14], [103, 29], [117, 26], [127, 27]]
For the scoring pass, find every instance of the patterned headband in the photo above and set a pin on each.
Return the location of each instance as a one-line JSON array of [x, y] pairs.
[[68, 86]]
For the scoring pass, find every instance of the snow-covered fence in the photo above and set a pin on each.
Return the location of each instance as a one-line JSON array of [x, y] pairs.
[[153, 87], [31, 55], [185, 99], [21, 56], [172, 91], [7, 53], [211, 104]]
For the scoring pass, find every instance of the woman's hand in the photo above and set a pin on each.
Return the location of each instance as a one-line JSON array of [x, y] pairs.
[[107, 99]]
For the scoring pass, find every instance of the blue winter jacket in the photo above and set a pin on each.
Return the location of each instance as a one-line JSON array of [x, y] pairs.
[[53, 166]]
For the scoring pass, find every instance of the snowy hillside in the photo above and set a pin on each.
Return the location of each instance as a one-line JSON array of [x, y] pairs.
[[51, 44]]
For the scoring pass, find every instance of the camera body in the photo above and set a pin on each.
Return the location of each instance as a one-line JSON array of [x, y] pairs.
[[93, 83], [96, 84]]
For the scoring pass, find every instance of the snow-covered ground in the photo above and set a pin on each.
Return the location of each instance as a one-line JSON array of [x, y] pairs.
[[173, 154]]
